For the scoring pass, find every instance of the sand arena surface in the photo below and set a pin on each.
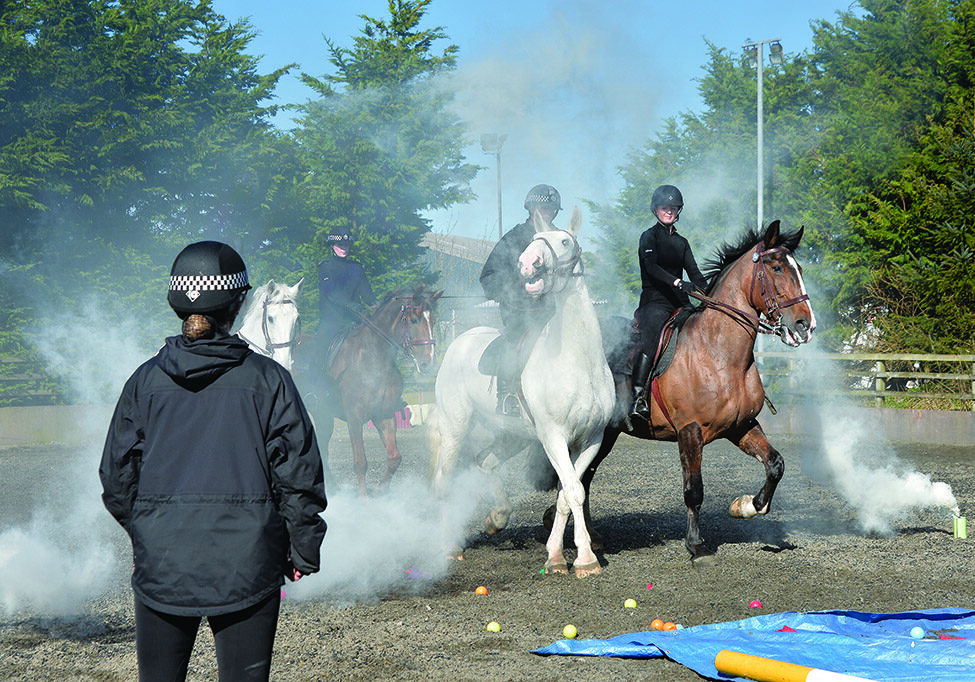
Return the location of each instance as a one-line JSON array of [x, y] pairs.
[[808, 554]]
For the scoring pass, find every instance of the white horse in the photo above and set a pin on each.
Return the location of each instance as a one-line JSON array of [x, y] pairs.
[[269, 321], [567, 388]]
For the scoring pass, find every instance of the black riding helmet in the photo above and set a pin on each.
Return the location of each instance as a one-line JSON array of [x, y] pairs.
[[206, 277], [666, 195], [543, 196], [340, 239]]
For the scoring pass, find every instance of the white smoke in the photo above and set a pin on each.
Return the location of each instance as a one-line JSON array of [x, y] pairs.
[[398, 540], [858, 461], [64, 555]]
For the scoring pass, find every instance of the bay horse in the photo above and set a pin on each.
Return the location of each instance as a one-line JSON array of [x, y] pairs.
[[368, 383], [712, 388], [269, 321], [567, 391]]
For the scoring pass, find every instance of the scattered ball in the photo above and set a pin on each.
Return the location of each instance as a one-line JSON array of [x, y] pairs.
[[494, 626], [649, 586], [656, 624], [755, 604], [570, 631], [669, 625], [480, 590], [630, 604], [917, 632]]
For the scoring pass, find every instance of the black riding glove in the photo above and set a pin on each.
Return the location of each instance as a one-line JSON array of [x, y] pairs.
[[684, 285]]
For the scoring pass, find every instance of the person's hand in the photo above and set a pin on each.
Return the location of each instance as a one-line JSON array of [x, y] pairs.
[[684, 285], [292, 574]]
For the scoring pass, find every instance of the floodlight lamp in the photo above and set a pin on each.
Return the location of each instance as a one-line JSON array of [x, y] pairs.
[[775, 54], [751, 55]]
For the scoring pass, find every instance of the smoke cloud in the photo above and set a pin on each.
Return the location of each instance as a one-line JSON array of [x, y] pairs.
[[64, 554], [856, 459], [397, 541]]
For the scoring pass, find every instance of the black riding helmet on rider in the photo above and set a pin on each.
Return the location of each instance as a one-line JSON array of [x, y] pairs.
[[667, 196], [544, 198], [206, 277]]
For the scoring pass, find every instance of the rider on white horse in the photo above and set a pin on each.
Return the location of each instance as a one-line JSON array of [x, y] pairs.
[[502, 282]]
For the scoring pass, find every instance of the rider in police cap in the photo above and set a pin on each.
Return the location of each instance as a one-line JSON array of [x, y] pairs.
[[343, 289], [501, 280]]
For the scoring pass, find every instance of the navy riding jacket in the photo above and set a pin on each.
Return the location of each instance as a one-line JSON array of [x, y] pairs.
[[212, 467]]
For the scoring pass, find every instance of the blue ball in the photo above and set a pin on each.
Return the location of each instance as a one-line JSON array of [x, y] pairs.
[[917, 632]]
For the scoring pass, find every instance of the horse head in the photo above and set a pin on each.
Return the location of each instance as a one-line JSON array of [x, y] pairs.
[[777, 290], [416, 325], [552, 256], [270, 321]]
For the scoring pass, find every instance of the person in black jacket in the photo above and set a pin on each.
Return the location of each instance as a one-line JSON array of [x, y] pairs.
[[501, 280], [664, 257], [212, 467], [343, 290]]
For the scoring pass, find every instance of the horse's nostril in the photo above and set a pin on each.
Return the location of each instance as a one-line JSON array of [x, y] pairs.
[[802, 325]]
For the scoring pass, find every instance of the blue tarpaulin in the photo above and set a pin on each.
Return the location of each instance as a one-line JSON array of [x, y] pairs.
[[877, 646]]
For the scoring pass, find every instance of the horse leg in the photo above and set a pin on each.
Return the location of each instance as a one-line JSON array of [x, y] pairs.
[[444, 443], [359, 464], [497, 519], [751, 440], [571, 498], [324, 435], [610, 435], [387, 431], [690, 443]]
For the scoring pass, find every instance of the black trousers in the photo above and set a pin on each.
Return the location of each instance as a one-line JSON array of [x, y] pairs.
[[651, 318], [244, 640]]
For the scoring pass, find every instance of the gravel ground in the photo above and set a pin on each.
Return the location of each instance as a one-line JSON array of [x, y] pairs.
[[808, 554]]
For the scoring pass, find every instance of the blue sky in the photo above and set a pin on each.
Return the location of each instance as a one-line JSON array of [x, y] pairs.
[[575, 84]]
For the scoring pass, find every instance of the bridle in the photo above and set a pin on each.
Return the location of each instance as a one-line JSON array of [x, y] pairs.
[[564, 269], [270, 345], [773, 306], [406, 342]]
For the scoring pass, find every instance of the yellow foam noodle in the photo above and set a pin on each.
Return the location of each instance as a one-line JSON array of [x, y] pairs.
[[770, 670]]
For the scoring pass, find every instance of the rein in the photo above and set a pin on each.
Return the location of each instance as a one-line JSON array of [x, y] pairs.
[[407, 342], [769, 296]]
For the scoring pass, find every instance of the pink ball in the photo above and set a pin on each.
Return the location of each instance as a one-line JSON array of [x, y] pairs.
[[755, 605]]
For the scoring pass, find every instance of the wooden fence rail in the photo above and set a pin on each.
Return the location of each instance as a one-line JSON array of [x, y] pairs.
[[883, 379]]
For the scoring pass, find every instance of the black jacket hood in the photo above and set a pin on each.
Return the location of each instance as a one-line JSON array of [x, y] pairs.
[[194, 364]]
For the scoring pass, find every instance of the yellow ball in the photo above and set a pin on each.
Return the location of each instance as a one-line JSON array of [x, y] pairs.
[[630, 603], [494, 626], [569, 631]]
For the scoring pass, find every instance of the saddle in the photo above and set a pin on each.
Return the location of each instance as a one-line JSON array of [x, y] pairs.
[[621, 340]]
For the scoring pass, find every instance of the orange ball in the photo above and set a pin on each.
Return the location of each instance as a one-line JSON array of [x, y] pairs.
[[669, 625], [656, 624], [480, 590]]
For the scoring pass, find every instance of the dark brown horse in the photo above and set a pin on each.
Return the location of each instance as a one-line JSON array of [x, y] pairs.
[[367, 381], [712, 388]]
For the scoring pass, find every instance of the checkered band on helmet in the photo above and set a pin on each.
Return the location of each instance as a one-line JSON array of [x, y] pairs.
[[339, 238], [543, 195], [206, 277], [237, 280]]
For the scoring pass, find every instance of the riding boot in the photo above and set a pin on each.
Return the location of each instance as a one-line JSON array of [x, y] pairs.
[[640, 379], [508, 404]]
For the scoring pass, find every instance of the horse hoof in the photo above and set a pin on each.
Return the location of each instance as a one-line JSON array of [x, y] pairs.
[[455, 554], [495, 522], [548, 519], [584, 570], [705, 558], [742, 508], [558, 567]]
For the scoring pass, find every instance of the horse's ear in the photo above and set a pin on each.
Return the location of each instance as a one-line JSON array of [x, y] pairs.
[[437, 295], [300, 282], [772, 234], [575, 221], [539, 223], [798, 235]]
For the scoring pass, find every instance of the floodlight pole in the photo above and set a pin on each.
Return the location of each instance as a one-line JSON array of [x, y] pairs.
[[759, 118], [491, 144]]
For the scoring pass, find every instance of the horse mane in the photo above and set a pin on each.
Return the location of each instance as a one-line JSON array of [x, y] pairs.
[[729, 252]]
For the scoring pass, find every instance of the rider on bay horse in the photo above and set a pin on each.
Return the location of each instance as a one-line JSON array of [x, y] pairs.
[[664, 257], [501, 280], [343, 290]]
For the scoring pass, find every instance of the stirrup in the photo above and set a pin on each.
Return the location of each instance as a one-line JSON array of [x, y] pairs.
[[641, 408], [509, 405]]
